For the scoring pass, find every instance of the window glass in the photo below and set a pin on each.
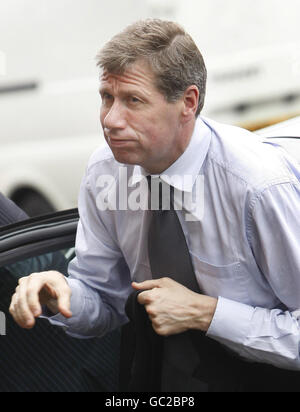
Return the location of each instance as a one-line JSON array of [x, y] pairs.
[[51, 261]]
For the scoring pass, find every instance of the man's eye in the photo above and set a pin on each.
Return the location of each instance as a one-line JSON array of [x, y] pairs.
[[133, 99], [106, 96]]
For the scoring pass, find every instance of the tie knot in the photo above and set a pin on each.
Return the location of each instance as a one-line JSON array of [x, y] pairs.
[[162, 195]]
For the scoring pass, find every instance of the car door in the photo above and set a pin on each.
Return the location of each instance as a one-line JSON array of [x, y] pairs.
[[45, 359]]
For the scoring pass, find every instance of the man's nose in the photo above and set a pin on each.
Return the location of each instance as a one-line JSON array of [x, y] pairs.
[[115, 118]]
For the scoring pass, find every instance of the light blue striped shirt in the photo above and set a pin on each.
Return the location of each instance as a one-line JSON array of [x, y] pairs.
[[243, 236]]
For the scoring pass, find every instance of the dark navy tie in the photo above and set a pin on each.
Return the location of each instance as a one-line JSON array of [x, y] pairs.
[[168, 251]]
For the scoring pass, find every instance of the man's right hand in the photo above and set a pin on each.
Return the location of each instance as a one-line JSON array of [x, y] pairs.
[[45, 288]]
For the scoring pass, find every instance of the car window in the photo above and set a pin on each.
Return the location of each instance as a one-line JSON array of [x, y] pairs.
[[45, 359], [50, 261]]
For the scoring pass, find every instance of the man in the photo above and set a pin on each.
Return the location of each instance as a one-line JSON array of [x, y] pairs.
[[239, 217]]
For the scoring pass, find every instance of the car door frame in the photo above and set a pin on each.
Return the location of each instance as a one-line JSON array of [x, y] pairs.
[[37, 236]]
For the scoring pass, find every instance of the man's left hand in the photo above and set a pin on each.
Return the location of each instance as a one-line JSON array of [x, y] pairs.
[[173, 308]]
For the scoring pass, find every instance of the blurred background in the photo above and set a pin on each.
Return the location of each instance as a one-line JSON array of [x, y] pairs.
[[49, 102]]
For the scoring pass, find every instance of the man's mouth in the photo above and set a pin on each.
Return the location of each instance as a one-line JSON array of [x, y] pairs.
[[119, 142]]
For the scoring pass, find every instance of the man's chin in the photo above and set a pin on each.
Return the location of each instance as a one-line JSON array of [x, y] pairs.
[[125, 157]]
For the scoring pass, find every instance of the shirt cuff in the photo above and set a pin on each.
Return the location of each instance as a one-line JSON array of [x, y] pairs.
[[77, 303], [231, 321]]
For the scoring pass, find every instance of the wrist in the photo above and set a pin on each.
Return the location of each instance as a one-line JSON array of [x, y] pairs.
[[205, 308]]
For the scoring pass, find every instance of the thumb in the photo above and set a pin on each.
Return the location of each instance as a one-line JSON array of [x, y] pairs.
[[147, 284]]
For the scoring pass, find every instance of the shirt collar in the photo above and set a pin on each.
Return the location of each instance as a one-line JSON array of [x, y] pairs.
[[183, 173]]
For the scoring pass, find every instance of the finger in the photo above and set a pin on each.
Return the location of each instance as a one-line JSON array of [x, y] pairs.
[[59, 288], [34, 286], [145, 298], [16, 313], [24, 316], [64, 301], [148, 284], [12, 307], [24, 279]]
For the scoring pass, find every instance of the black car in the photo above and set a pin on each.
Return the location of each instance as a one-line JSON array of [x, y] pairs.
[[45, 359]]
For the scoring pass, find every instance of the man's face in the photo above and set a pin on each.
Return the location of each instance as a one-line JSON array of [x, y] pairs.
[[140, 126]]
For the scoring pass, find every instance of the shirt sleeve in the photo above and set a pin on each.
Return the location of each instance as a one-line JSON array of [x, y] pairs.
[[98, 276], [261, 334]]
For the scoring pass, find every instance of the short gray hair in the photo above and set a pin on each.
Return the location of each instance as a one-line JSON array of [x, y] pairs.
[[169, 50]]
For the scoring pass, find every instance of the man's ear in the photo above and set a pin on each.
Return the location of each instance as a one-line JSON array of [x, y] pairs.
[[190, 101]]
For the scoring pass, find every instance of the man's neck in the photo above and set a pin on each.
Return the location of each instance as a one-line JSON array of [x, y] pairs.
[[183, 143]]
